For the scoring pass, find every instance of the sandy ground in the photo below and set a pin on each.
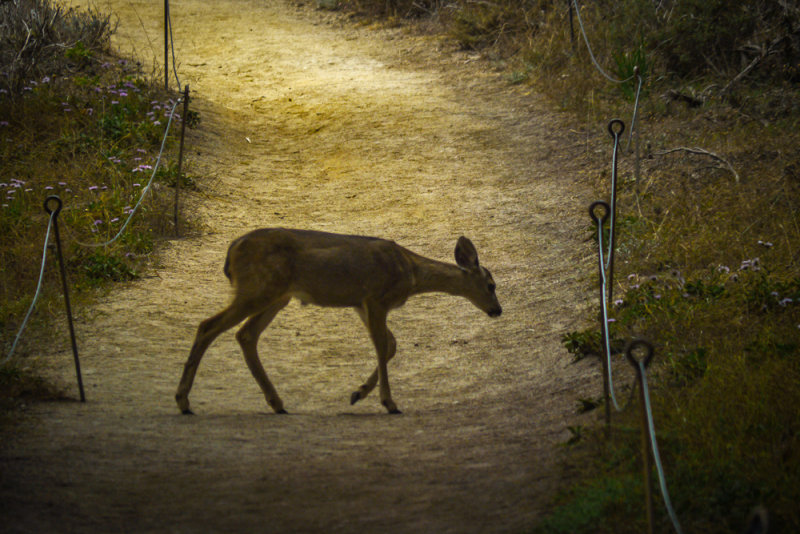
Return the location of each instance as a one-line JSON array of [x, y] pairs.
[[314, 123]]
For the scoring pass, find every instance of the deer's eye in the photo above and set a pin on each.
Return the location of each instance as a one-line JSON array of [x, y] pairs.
[[491, 287]]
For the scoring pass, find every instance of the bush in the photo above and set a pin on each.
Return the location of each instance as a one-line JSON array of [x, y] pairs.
[[40, 38]]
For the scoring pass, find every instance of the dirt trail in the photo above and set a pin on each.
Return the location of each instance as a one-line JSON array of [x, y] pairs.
[[311, 123]]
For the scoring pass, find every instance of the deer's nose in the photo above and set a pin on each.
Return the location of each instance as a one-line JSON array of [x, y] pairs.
[[495, 312]]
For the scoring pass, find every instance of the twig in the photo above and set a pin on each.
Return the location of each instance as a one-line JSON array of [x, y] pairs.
[[701, 152], [762, 53]]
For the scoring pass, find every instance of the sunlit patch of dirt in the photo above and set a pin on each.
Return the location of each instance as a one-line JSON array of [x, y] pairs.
[[310, 122]]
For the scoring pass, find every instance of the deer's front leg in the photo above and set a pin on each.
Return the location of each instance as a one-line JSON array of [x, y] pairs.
[[376, 323], [372, 381]]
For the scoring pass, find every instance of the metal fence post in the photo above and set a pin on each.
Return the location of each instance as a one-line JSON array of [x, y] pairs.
[[166, 45], [615, 128], [54, 213], [647, 461], [600, 222], [184, 118]]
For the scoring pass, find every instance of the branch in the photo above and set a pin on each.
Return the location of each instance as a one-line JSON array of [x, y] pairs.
[[762, 53], [701, 152]]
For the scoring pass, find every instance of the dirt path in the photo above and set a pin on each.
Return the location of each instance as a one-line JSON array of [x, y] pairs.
[[308, 123]]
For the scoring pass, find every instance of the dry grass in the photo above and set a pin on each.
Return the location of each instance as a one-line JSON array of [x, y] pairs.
[[708, 246]]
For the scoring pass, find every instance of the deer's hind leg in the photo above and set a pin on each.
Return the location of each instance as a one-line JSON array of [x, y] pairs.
[[248, 339], [207, 332]]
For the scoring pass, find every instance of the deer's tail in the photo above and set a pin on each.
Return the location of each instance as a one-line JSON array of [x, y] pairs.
[[227, 267]]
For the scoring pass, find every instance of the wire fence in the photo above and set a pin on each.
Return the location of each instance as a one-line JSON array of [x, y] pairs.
[[602, 212], [54, 213], [641, 372], [604, 216]]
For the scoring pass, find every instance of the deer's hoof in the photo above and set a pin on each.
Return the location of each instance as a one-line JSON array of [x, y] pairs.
[[391, 407], [187, 411], [355, 397], [281, 412]]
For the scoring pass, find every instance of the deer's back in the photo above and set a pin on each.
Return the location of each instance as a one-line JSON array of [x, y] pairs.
[[319, 267]]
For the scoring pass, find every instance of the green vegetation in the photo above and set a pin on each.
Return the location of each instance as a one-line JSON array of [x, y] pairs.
[[76, 122], [707, 259], [708, 243]]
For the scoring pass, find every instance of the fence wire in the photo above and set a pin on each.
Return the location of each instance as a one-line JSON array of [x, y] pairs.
[[172, 45], [608, 76], [145, 189], [38, 290]]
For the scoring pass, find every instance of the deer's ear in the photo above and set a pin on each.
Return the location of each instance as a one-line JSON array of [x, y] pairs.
[[466, 255]]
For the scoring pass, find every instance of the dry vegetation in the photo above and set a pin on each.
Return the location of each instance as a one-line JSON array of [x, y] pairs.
[[708, 238], [707, 259]]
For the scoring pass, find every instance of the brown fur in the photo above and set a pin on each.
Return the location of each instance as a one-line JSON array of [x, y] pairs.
[[269, 267]]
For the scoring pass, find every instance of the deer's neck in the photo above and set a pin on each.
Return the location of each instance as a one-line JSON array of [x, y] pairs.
[[431, 275]]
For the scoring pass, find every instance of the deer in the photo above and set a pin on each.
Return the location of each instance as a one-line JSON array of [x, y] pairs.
[[270, 266]]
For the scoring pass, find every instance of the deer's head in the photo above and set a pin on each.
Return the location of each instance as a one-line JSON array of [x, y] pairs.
[[480, 288]]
